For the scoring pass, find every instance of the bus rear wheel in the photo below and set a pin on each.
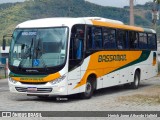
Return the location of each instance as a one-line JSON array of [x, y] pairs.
[[136, 82], [88, 90]]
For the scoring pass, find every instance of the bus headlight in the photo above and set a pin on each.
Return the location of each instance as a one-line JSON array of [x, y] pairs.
[[58, 80], [12, 81]]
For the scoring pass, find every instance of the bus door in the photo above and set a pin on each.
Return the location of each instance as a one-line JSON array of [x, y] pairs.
[[75, 57], [123, 56]]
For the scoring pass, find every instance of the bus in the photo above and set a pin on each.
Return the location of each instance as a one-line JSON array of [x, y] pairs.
[[64, 56]]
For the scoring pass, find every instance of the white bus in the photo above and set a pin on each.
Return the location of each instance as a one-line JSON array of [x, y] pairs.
[[63, 56]]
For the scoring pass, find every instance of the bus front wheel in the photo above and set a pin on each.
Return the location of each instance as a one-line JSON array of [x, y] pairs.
[[88, 90]]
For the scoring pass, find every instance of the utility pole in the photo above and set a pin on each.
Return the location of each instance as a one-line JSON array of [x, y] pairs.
[[131, 12], [155, 14], [70, 7]]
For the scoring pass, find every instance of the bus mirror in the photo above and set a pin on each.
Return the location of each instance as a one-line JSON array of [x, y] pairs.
[[4, 44]]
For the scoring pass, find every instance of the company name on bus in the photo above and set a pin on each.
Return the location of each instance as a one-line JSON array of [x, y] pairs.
[[37, 79], [110, 58]]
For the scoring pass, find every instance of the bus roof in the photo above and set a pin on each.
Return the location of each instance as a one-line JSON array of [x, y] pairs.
[[64, 21], [51, 22]]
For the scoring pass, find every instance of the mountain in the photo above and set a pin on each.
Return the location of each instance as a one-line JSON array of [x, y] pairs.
[[12, 14]]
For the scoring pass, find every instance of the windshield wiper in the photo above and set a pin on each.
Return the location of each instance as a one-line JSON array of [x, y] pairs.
[[30, 55], [38, 50]]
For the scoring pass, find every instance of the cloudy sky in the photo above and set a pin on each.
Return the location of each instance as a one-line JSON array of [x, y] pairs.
[[5, 1], [113, 3], [117, 3]]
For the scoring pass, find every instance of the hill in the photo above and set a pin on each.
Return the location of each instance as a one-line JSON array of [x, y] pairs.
[[12, 14]]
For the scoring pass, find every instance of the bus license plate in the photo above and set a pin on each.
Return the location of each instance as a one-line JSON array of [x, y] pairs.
[[32, 89]]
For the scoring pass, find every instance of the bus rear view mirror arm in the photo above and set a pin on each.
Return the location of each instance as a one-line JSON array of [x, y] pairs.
[[4, 44]]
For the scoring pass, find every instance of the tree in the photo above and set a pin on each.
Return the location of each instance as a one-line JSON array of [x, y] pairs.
[[155, 13], [156, 1]]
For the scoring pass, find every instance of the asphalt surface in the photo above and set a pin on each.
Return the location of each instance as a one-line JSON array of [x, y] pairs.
[[103, 100]]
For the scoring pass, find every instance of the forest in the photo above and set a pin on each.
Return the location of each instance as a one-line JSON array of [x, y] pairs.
[[12, 14]]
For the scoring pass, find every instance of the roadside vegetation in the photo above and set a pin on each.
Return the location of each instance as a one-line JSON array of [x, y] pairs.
[[12, 14]]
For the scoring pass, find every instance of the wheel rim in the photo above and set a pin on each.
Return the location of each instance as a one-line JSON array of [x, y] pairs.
[[88, 88]]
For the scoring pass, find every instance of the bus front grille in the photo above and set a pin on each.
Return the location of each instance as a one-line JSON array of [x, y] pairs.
[[39, 90], [41, 83]]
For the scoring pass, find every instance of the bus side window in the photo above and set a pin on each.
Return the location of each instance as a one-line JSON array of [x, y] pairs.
[[79, 44], [152, 41], [109, 40], [76, 42], [133, 40], [94, 38], [121, 39], [143, 41], [97, 38]]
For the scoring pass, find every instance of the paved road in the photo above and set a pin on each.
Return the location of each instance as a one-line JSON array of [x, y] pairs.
[[104, 99], [109, 99]]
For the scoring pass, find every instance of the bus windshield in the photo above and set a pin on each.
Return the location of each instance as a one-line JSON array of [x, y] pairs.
[[38, 48]]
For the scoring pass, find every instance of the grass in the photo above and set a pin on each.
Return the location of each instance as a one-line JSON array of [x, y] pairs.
[[3, 76]]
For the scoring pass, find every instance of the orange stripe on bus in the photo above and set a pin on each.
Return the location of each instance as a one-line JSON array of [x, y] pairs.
[[115, 25]]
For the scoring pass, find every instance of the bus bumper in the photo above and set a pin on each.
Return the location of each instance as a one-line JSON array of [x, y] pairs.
[[38, 89]]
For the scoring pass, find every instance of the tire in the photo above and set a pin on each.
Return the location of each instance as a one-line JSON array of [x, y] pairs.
[[88, 90], [135, 84]]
